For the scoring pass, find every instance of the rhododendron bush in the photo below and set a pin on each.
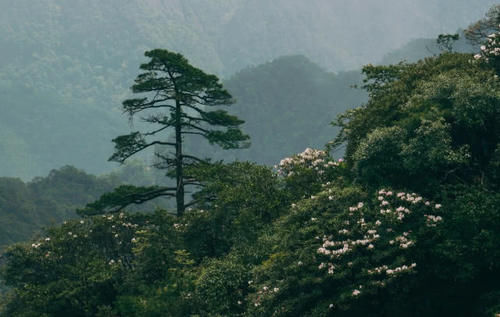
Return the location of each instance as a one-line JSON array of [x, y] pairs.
[[304, 172], [353, 254], [490, 50]]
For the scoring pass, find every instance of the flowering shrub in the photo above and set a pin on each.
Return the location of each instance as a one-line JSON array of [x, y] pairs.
[[345, 256], [317, 160], [390, 228], [490, 50], [305, 172], [88, 256]]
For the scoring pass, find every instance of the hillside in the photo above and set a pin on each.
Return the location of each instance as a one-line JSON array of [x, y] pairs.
[[398, 216], [26, 207], [407, 224]]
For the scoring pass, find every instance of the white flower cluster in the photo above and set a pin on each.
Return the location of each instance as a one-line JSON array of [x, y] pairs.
[[490, 49], [110, 217], [404, 242], [310, 158], [388, 271], [357, 207], [348, 244], [401, 269], [378, 269], [330, 266], [413, 198], [334, 253], [130, 225], [363, 230], [112, 262], [180, 226], [432, 220], [266, 290], [401, 211]]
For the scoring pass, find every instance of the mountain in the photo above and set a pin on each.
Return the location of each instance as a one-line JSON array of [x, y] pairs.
[[406, 225], [288, 104], [41, 131], [66, 66]]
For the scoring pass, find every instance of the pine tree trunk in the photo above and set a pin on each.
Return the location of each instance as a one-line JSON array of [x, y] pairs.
[[179, 195]]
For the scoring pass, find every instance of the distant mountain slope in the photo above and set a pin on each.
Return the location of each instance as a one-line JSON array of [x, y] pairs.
[[220, 36], [39, 132], [67, 65], [288, 105], [420, 48], [26, 207]]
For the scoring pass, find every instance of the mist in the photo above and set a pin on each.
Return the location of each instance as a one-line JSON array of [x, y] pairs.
[[67, 66]]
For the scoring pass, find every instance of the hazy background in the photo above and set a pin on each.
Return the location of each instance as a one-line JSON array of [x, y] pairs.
[[65, 66]]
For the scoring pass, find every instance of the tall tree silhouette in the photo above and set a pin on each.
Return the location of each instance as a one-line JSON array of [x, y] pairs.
[[177, 100]]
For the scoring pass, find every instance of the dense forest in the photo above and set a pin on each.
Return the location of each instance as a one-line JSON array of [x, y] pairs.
[[25, 208], [372, 193]]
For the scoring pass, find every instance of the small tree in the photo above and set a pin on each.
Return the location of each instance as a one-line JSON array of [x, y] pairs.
[[477, 32], [446, 41], [176, 99]]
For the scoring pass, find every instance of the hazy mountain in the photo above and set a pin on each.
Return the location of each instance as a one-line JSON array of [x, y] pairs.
[[26, 207], [420, 48], [66, 66], [288, 105]]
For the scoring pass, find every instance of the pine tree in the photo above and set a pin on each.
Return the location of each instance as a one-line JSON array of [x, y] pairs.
[[177, 100]]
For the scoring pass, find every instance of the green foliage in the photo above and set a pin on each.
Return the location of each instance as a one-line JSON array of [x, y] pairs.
[[436, 119], [72, 269], [161, 281], [462, 264], [317, 236], [377, 157], [26, 207], [183, 101], [238, 200], [222, 287]]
